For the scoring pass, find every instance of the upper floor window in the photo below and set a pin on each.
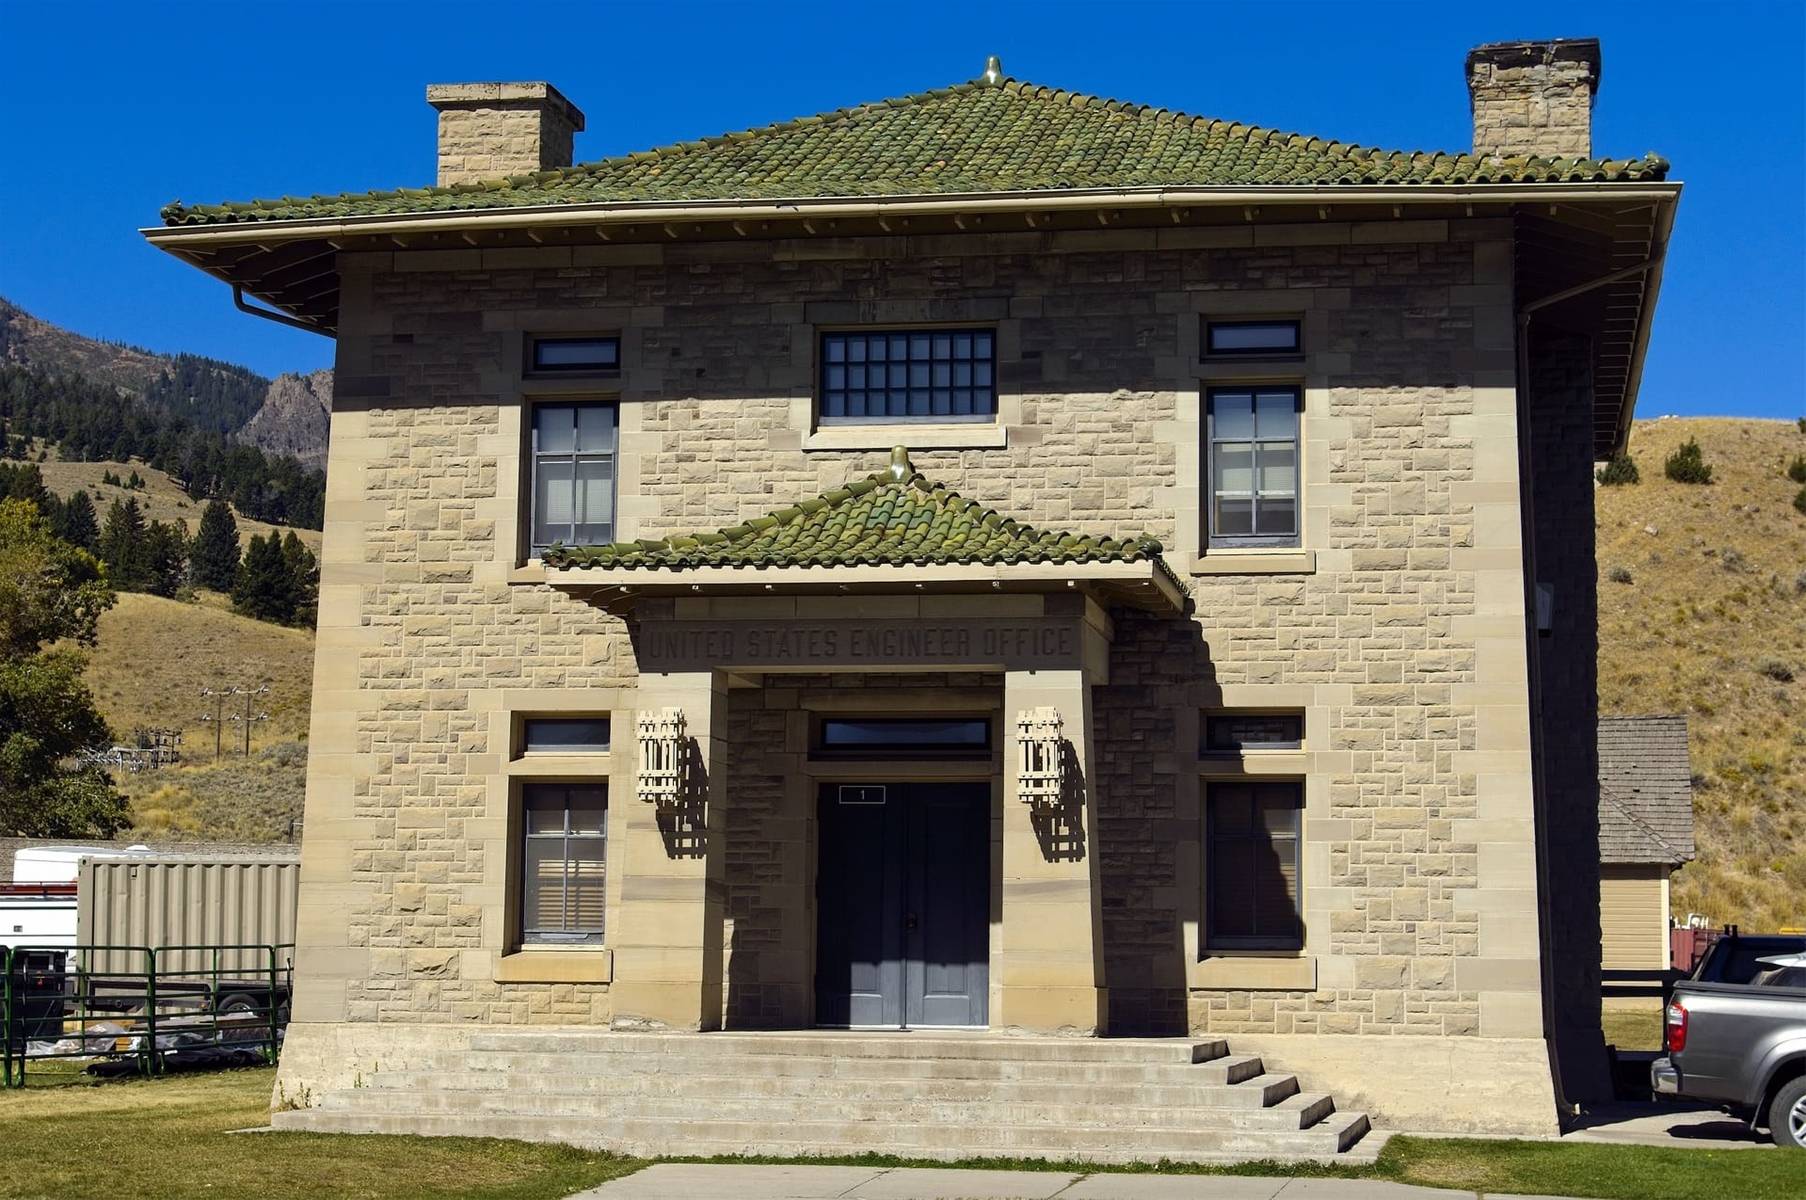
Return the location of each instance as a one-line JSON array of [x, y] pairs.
[[564, 827], [927, 375], [573, 355], [1252, 339], [1253, 465], [573, 465], [1252, 856]]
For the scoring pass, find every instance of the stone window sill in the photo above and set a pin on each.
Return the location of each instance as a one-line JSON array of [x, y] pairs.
[[924, 436], [584, 763], [1255, 762], [1245, 971], [533, 572], [1255, 562], [532, 964]]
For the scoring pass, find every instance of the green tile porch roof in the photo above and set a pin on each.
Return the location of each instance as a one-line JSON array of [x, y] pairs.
[[895, 517], [993, 134]]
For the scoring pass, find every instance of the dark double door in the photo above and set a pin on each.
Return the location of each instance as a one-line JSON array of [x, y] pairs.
[[903, 896]]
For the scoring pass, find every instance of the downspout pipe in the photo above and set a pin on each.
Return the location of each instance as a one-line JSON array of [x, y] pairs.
[[280, 318], [1533, 656]]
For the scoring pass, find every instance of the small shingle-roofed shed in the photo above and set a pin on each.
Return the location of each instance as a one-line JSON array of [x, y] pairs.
[[1645, 832]]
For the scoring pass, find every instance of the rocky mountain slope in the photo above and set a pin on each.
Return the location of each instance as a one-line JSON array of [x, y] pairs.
[[29, 341], [1702, 611], [294, 417], [287, 415]]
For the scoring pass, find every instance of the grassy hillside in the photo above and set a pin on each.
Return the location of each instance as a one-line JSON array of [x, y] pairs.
[[1702, 610], [161, 498], [153, 659]]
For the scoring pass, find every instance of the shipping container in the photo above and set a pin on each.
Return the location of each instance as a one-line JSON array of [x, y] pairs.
[[188, 900]]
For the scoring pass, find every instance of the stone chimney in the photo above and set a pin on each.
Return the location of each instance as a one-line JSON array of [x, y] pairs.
[[493, 130], [1534, 98]]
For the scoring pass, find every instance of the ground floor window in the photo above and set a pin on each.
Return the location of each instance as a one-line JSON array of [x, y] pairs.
[[565, 842], [1252, 857]]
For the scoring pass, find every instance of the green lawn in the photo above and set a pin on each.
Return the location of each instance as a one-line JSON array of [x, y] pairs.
[[169, 1138], [1633, 1029]]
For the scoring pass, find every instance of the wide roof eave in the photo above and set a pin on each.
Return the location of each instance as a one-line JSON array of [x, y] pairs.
[[285, 229]]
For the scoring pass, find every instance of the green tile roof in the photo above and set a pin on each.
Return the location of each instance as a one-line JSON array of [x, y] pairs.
[[895, 517], [984, 136]]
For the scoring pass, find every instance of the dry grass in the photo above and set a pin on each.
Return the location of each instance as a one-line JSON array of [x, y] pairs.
[[153, 659], [1715, 604], [160, 498], [156, 655]]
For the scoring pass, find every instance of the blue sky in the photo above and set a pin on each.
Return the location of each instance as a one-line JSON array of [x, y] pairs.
[[115, 109]]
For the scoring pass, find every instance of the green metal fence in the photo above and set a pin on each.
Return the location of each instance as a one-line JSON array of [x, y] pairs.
[[169, 1007]]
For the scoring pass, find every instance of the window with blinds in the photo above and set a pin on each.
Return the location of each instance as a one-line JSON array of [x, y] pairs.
[[1252, 863], [573, 464], [562, 862], [1252, 451]]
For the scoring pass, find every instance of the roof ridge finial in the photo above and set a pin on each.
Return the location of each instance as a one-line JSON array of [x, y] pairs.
[[900, 466], [993, 73]]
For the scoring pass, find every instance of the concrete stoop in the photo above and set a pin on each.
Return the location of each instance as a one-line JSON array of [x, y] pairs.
[[916, 1095]]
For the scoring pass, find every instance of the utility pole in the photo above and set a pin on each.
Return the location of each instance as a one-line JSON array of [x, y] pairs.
[[249, 718], [216, 717]]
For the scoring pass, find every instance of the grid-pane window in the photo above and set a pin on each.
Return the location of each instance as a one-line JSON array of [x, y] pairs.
[[1252, 863], [1253, 456], [564, 848], [573, 474], [908, 375]]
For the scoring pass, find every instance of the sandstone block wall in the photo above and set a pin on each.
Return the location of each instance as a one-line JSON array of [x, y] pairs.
[[1397, 626]]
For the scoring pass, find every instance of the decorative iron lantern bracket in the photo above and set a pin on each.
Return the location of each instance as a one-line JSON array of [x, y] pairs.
[[1040, 759], [662, 743]]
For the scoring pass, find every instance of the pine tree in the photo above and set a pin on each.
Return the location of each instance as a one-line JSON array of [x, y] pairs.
[[165, 558], [265, 588], [122, 547], [304, 576], [80, 528], [22, 483], [215, 556]]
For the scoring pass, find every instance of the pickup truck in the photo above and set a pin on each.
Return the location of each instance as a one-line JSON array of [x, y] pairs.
[[1741, 1046], [1737, 957]]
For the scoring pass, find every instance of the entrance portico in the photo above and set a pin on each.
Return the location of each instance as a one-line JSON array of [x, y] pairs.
[[962, 614]]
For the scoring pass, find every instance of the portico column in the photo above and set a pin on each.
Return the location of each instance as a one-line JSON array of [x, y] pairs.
[[1050, 967], [667, 934]]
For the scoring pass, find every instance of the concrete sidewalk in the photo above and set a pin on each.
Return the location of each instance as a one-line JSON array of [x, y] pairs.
[[685, 1181]]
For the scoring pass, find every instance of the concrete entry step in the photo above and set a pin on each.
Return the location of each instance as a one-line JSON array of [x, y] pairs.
[[1197, 1094], [914, 1046], [942, 1097], [614, 1066]]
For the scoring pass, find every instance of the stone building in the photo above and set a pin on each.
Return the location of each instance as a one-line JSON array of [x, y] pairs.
[[993, 558]]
